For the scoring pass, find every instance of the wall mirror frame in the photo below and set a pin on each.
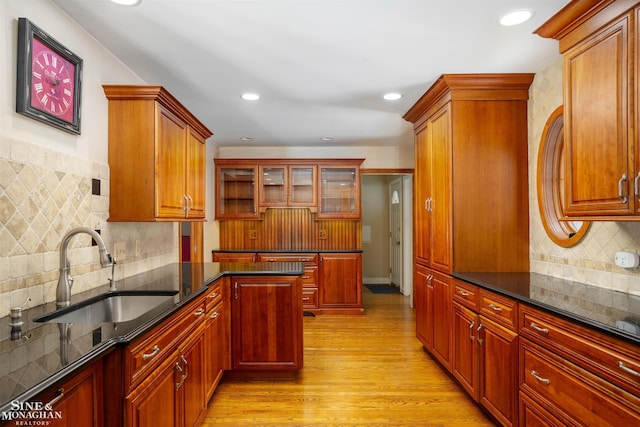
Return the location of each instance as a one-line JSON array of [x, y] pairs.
[[551, 181]]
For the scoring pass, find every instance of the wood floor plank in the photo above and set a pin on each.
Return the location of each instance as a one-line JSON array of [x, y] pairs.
[[358, 371]]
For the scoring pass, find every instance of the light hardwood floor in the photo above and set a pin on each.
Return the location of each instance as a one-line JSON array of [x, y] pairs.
[[366, 370]]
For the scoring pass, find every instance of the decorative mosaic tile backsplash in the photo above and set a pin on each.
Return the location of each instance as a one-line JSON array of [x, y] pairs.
[[591, 260], [44, 194]]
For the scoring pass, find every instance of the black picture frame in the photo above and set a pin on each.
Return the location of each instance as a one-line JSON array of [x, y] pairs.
[[27, 33]]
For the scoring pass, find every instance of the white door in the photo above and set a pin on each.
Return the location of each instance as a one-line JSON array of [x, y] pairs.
[[395, 232]]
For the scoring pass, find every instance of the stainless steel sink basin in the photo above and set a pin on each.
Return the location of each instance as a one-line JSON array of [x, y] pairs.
[[112, 307]]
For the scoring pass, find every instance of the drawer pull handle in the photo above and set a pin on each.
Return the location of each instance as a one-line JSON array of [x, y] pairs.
[[59, 395], [628, 370], [304, 259], [305, 277], [463, 293], [471, 337], [153, 353], [306, 299], [214, 315], [213, 295], [495, 308], [199, 312], [535, 375], [538, 328]]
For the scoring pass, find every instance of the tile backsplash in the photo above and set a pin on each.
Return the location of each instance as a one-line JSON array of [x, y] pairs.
[[44, 194], [591, 260]]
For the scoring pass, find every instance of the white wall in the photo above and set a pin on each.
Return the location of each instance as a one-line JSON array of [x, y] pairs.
[[46, 173]]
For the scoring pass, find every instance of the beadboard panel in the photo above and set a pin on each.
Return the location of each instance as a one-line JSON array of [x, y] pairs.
[[290, 229]]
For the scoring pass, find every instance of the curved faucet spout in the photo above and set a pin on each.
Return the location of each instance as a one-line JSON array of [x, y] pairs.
[[63, 291]]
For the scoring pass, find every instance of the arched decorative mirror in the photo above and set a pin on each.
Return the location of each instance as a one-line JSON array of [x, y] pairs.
[[550, 180]]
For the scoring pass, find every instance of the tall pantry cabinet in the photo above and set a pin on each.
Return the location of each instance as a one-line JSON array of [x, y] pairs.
[[471, 208]]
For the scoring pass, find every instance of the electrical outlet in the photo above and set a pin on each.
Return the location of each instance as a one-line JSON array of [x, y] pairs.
[[322, 234], [119, 252], [138, 248], [253, 234]]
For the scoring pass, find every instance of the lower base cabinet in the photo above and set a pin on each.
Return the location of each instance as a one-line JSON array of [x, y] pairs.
[[266, 323], [175, 389], [78, 401]]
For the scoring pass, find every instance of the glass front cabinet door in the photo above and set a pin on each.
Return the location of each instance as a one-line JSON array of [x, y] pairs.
[[339, 192], [236, 190], [292, 186]]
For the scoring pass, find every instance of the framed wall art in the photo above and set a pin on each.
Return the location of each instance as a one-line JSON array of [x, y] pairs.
[[49, 79]]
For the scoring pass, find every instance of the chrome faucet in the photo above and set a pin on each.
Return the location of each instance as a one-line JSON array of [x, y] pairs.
[[65, 281]]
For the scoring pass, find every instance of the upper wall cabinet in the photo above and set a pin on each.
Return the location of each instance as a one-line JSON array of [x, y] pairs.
[[156, 156], [471, 210], [247, 187], [600, 85]]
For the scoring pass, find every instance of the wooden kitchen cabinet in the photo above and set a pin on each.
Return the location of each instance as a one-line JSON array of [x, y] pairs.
[[340, 283], [266, 323], [233, 257], [288, 186], [339, 190], [215, 339], [165, 372], [579, 375], [597, 40], [469, 216], [236, 191], [309, 278], [156, 156], [434, 313], [464, 362], [79, 400]]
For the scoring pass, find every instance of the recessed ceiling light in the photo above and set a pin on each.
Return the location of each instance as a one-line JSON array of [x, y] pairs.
[[516, 17], [326, 138], [250, 96], [126, 2], [246, 138], [392, 96]]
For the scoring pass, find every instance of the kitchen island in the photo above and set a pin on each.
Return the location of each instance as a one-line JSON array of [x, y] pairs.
[[40, 356]]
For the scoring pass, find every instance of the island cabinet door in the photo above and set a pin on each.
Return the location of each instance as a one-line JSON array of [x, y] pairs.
[[266, 323]]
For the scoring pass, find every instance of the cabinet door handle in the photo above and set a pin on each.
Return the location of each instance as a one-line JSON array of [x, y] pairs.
[[178, 368], [471, 337], [535, 375], [480, 340], [495, 308], [622, 179], [235, 290], [153, 353], [628, 370], [186, 368], [186, 203], [199, 312], [56, 399], [190, 202], [538, 328], [636, 187]]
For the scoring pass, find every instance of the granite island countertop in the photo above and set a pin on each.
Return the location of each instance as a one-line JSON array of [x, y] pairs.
[[41, 356], [613, 312]]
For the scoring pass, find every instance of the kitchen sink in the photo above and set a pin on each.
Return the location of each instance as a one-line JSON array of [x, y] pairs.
[[112, 307]]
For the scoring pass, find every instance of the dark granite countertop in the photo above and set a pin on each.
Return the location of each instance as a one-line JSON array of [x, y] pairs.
[[616, 313], [43, 356]]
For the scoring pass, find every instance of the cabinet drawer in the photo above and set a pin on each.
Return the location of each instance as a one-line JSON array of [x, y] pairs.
[[150, 350], [610, 358], [311, 258], [213, 296], [309, 278], [466, 294], [309, 298], [500, 309], [234, 257], [573, 394]]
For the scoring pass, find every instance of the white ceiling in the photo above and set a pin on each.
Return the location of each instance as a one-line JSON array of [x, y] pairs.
[[320, 66]]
